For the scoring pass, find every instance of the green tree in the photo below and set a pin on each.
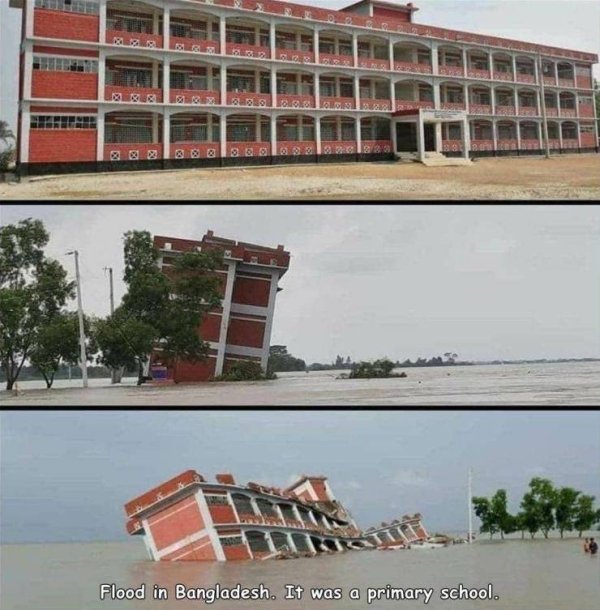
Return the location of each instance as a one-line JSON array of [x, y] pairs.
[[160, 308], [566, 497], [544, 496], [505, 522], [483, 510], [33, 290], [529, 518], [585, 516], [280, 360], [58, 341], [7, 150]]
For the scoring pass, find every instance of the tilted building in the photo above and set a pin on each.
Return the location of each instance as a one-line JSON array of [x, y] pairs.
[[125, 84], [240, 329]]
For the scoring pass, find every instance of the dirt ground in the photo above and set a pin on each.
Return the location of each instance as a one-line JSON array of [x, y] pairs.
[[564, 177]]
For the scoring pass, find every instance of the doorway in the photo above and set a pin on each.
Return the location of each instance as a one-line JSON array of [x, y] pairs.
[[429, 137], [406, 137]]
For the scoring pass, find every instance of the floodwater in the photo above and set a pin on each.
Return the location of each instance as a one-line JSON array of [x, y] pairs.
[[563, 384], [530, 575]]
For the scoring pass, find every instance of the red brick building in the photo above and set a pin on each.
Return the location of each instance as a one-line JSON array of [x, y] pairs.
[[116, 84], [241, 328]]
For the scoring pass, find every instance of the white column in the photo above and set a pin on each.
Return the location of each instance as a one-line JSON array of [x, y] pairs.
[[274, 87], [100, 134], [316, 45], [560, 138], [272, 39], [154, 74], [310, 544], [291, 543], [300, 128], [555, 73], [25, 133], [438, 138], [420, 137], [101, 74], [154, 128], [437, 97], [518, 122], [273, 120], [223, 139], [226, 302], [356, 91], [578, 134], [272, 295], [270, 542], [538, 76], [28, 70], [391, 54], [101, 20], [358, 135], [466, 138], [393, 94], [257, 81], [493, 100], [166, 134], [516, 101], [514, 68], [465, 62], [257, 35], [167, 81], [318, 134], [495, 134], [155, 22], [577, 104], [257, 127], [354, 49], [317, 89], [222, 34], [29, 17], [223, 77], [394, 134]]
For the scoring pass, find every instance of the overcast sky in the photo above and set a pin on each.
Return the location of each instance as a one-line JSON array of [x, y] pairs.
[[484, 281], [66, 476], [571, 24]]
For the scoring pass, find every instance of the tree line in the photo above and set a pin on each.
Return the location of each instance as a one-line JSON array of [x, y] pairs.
[[544, 507]]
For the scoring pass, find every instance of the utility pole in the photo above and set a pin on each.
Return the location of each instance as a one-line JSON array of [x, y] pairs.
[[470, 505], [113, 372], [82, 356], [543, 104]]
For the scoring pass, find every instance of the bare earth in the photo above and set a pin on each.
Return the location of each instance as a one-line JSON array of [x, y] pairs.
[[564, 177]]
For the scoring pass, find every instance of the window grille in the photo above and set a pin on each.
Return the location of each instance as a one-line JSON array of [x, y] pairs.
[[70, 6], [280, 541], [586, 129], [190, 82], [191, 133], [130, 77], [231, 540], [529, 131], [64, 64], [454, 96], [569, 131], [216, 500], [300, 543], [142, 24], [40, 121], [507, 132], [257, 542], [134, 131]]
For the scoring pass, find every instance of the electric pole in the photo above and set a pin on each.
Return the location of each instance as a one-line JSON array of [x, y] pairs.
[[113, 372], [470, 505], [543, 104], [82, 356]]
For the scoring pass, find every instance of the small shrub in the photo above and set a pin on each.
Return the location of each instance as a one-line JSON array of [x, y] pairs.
[[372, 370], [245, 370]]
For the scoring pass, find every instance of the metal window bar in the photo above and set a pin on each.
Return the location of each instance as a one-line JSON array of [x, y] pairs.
[[70, 6], [133, 25], [62, 122], [194, 133], [128, 133], [130, 77], [64, 64]]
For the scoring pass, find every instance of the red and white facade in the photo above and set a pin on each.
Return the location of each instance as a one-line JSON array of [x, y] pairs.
[[405, 531], [190, 519], [117, 84], [240, 329]]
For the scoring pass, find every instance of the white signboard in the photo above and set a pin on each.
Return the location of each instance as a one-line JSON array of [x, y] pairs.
[[443, 115]]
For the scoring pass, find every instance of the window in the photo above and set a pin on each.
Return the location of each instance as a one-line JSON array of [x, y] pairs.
[[133, 25], [39, 121], [71, 6], [585, 128], [231, 540], [129, 77], [48, 63], [506, 132], [216, 500]]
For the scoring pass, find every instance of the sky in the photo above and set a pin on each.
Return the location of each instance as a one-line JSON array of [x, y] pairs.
[[570, 24], [484, 281], [66, 475]]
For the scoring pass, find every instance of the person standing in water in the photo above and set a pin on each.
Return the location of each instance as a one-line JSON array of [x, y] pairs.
[[593, 546], [586, 545]]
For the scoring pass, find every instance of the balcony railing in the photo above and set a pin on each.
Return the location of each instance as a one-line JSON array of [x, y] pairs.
[[195, 150], [480, 109], [137, 95], [336, 60], [549, 80], [248, 149], [338, 103], [247, 50], [373, 63], [569, 113], [453, 106], [505, 110], [506, 76], [550, 111], [296, 56], [410, 105], [451, 70], [508, 144], [192, 96], [371, 104], [338, 147], [475, 73], [452, 145], [570, 143], [528, 111], [249, 100], [526, 78], [533, 144], [405, 66], [482, 144], [296, 148], [295, 101], [566, 82], [134, 39], [376, 146], [133, 152], [554, 143], [194, 45]]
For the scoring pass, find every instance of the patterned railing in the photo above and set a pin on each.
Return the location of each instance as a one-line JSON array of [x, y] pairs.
[[474, 73], [566, 82], [249, 100], [295, 101], [296, 56], [530, 144], [571, 143], [453, 105], [480, 109], [408, 105], [248, 149], [194, 45], [338, 103], [482, 144], [338, 147], [568, 113], [526, 78], [505, 110], [132, 152], [528, 111], [452, 145], [336, 60], [551, 111], [506, 76], [247, 50], [137, 95], [134, 39], [404, 66], [554, 143], [451, 70], [195, 150], [373, 64], [189, 96], [507, 144], [376, 146], [369, 104], [550, 80], [296, 148]]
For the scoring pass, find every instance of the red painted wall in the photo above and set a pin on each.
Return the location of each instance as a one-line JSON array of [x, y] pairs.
[[195, 371], [91, 53], [588, 140], [175, 523], [251, 292], [64, 85], [211, 327], [245, 332], [54, 145], [70, 26], [236, 552], [222, 514], [201, 550], [390, 13], [319, 487]]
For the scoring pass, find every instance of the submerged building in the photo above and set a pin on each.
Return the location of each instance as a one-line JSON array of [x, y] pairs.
[[126, 84], [240, 329], [190, 519], [408, 530]]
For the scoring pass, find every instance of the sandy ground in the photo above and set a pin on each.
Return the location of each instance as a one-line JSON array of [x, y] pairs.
[[565, 177]]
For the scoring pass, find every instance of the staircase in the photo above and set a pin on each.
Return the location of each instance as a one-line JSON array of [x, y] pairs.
[[432, 159]]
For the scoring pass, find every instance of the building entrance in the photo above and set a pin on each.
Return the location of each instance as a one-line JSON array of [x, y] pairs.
[[406, 137]]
